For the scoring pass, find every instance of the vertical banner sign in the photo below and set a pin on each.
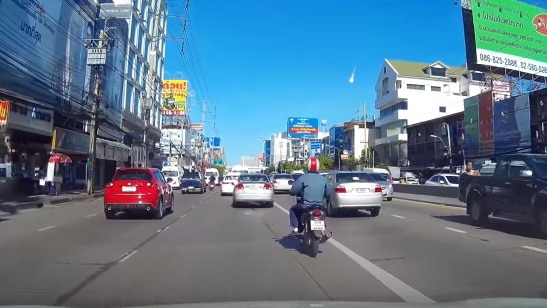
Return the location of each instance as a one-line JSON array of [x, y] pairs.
[[4, 112], [175, 95]]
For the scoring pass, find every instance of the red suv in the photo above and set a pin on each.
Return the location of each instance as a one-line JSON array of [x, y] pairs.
[[138, 189]]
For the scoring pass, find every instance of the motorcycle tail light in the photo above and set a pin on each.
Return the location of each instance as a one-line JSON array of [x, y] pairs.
[[316, 213]]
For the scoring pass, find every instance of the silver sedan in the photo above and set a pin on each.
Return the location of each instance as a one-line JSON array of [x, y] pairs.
[[383, 180], [253, 188], [354, 191]]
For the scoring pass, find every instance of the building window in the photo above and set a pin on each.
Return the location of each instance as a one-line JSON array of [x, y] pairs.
[[385, 70], [386, 112], [464, 93], [477, 76], [398, 84], [442, 109], [437, 71], [385, 86], [415, 86], [435, 89], [452, 79]]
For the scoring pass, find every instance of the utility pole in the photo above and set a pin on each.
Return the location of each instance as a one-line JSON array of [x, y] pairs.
[[203, 145], [449, 144], [96, 57], [367, 155]]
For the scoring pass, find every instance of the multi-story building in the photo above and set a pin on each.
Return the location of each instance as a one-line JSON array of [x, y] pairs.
[[280, 149], [411, 92], [53, 114], [144, 65], [358, 137]]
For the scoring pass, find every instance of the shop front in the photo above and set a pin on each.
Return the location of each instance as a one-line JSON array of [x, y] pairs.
[[109, 155], [25, 143]]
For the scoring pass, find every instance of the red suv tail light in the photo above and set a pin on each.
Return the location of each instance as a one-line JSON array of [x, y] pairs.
[[377, 189], [151, 185], [267, 186], [340, 189], [239, 186], [316, 213], [109, 185]]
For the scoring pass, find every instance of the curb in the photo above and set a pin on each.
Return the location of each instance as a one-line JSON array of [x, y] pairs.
[[431, 202], [60, 201], [16, 207]]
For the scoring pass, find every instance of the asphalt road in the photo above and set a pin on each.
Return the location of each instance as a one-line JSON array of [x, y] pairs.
[[208, 251]]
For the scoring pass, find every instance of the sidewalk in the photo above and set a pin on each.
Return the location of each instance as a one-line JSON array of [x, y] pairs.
[[15, 203], [430, 199]]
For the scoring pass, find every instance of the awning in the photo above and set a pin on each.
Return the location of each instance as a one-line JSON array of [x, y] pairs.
[[59, 158]]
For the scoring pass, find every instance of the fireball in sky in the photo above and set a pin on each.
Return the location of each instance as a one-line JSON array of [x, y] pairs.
[[352, 77]]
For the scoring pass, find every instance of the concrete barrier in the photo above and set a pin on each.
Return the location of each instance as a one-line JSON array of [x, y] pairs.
[[435, 191]]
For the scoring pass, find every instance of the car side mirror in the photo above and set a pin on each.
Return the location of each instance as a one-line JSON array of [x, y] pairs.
[[526, 173]]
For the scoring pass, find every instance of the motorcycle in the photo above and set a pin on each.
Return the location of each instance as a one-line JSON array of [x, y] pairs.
[[312, 229], [211, 185]]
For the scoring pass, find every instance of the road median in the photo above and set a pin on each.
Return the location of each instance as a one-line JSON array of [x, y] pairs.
[[429, 194]]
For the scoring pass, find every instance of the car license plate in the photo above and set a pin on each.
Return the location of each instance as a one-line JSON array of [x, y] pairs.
[[129, 188], [317, 225], [361, 190], [190, 187]]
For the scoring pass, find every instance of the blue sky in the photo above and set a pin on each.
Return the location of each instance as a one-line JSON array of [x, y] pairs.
[[267, 60]]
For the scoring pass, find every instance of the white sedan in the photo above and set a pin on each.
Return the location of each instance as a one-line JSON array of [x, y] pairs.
[[253, 188], [228, 185]]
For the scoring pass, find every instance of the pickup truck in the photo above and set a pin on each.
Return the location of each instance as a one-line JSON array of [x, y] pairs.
[[517, 187]]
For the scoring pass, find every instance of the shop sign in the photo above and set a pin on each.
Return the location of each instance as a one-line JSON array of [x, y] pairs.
[[4, 111], [70, 141]]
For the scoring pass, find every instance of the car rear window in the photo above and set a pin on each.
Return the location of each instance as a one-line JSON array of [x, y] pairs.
[[353, 177], [191, 175], [125, 175], [283, 176], [381, 177], [253, 178]]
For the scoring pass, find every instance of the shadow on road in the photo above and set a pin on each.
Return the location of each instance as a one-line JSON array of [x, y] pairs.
[[498, 224], [348, 214]]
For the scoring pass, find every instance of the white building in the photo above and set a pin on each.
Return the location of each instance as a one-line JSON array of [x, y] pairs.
[[145, 59], [357, 137], [283, 149], [409, 93]]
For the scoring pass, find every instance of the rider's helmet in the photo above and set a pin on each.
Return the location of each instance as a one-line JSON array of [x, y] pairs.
[[313, 164]]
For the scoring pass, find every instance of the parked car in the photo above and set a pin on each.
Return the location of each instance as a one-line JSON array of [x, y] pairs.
[[253, 188], [444, 179], [138, 189], [354, 191]]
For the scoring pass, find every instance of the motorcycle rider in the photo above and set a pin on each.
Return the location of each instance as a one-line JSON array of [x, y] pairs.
[[312, 188], [212, 180]]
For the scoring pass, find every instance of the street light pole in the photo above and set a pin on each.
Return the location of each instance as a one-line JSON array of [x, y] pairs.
[[449, 144]]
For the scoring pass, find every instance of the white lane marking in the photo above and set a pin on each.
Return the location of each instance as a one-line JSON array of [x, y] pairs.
[[397, 216], [127, 256], [535, 249], [248, 213], [404, 291], [91, 215], [46, 228], [455, 230], [159, 230], [165, 229], [193, 206], [181, 216]]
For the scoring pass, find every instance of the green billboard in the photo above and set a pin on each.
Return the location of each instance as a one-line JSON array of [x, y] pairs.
[[511, 34]]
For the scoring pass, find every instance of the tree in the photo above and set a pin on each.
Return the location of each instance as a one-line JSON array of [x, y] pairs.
[[351, 163], [221, 169], [325, 162], [366, 157]]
